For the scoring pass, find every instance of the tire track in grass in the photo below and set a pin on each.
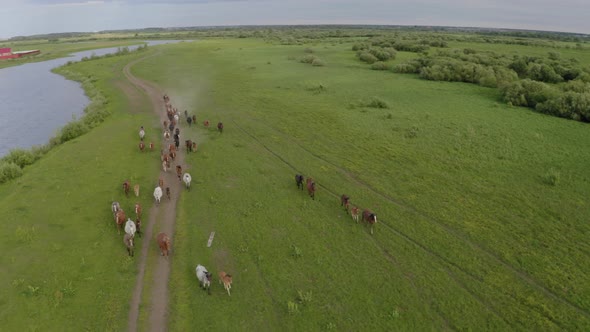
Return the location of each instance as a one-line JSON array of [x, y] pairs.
[[444, 260]]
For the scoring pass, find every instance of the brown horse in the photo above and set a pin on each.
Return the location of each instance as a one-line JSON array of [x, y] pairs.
[[120, 219], [310, 187], [128, 240], [141, 146], [173, 155], [126, 187], [370, 218], [206, 123], [168, 192], [194, 147], [138, 210], [151, 146], [226, 279], [189, 145], [194, 119], [161, 183], [220, 127], [345, 201], [299, 181], [163, 243], [179, 172]]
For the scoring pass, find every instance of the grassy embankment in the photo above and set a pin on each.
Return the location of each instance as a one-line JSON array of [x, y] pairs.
[[64, 267], [482, 210]]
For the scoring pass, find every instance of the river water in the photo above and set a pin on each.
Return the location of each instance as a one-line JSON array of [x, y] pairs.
[[35, 103]]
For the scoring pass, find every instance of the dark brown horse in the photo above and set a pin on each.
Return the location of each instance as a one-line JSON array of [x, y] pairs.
[[370, 218], [299, 181], [138, 226], [126, 187], [168, 192], [163, 243], [310, 188], [189, 145], [220, 127], [179, 172], [345, 201]]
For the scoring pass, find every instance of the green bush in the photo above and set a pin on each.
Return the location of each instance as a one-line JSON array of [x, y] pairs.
[[73, 130], [374, 102], [527, 93], [308, 58], [317, 62], [379, 66], [368, 58], [406, 68], [20, 157], [9, 171]]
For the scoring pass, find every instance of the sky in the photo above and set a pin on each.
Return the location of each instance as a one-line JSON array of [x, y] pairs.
[[29, 17]]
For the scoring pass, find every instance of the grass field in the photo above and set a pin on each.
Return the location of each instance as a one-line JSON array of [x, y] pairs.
[[482, 207]]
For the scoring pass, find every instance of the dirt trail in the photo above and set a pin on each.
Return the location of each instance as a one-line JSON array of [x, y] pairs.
[[162, 218]]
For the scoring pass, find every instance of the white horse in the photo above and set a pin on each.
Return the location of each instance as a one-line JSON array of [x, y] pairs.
[[204, 278], [141, 134], [158, 194], [115, 207], [187, 180], [130, 227]]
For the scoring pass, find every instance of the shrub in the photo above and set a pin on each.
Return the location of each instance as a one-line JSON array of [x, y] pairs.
[[406, 68], [308, 58], [308, 50], [374, 102], [20, 157], [318, 62], [380, 54], [9, 171], [73, 130], [527, 93], [368, 58], [379, 66], [551, 177]]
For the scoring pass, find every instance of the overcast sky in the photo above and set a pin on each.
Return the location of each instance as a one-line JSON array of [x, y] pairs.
[[28, 17]]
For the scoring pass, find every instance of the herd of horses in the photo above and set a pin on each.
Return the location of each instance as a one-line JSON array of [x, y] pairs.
[[131, 228], [367, 215]]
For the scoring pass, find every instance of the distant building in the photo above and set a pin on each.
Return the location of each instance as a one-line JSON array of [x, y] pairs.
[[6, 53]]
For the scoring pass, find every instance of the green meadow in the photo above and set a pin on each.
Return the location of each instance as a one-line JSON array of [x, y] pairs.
[[482, 207]]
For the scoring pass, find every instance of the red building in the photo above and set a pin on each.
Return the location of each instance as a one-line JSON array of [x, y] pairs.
[[6, 53]]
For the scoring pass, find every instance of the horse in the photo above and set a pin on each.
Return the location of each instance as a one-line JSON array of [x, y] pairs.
[[187, 180], [136, 190], [220, 127], [354, 212], [126, 187], [189, 120], [206, 123], [194, 147], [179, 172], [120, 219], [163, 243], [370, 218], [299, 181], [226, 279], [310, 188], [167, 134], [141, 133], [168, 192], [138, 210], [345, 201], [204, 277], [138, 226], [128, 241], [165, 124], [141, 146], [115, 207], [158, 194], [173, 155], [177, 131], [151, 146], [195, 119], [130, 227], [161, 183], [176, 117], [189, 145]]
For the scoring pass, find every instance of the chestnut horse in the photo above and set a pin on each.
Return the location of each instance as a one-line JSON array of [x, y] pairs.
[[126, 187], [163, 243], [138, 210], [370, 218], [120, 219], [345, 201], [354, 212], [310, 187], [299, 181], [179, 172], [141, 146]]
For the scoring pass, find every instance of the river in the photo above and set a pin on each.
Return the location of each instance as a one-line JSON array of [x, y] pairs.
[[36, 103]]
